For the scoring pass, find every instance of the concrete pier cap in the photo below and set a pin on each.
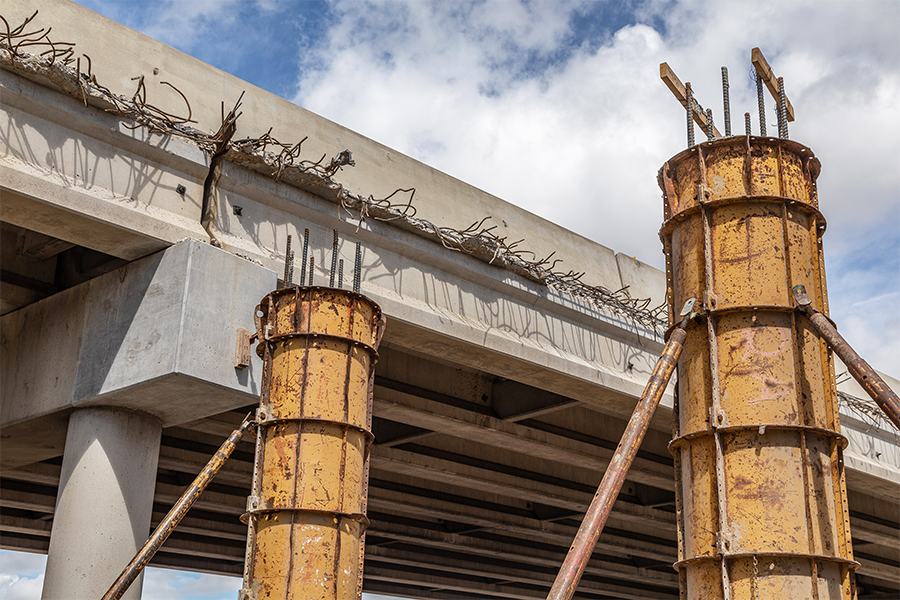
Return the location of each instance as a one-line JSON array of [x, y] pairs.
[[156, 336]]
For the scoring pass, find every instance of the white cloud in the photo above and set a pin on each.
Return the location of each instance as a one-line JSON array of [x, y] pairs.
[[21, 575], [14, 587], [579, 140], [169, 584]]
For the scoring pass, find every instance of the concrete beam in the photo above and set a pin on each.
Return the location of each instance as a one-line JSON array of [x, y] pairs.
[[457, 422], [380, 558], [536, 554], [523, 528]]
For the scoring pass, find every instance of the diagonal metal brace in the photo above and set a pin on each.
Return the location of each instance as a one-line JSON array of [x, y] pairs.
[[580, 553], [861, 371]]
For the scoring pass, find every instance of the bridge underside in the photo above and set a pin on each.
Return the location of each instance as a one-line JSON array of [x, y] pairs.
[[477, 488]]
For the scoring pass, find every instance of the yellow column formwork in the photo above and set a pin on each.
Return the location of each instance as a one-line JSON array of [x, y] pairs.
[[306, 512], [761, 497]]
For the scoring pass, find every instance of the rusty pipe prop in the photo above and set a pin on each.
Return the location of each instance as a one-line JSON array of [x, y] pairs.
[[865, 375], [592, 526], [176, 514]]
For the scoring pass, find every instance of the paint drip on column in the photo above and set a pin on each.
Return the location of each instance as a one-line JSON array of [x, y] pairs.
[[762, 502], [306, 512]]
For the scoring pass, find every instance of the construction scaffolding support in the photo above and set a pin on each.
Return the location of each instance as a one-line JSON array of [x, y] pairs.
[[864, 374], [306, 512], [598, 512], [761, 498]]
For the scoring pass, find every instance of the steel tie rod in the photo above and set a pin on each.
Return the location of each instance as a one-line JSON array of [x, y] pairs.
[[176, 514], [864, 374], [580, 553]]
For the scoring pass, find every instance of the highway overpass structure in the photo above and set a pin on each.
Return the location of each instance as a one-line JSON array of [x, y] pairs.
[[134, 250]]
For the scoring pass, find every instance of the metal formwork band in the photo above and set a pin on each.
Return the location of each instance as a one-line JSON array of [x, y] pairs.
[[306, 514]]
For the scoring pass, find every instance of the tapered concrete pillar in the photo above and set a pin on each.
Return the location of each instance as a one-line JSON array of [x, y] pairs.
[[104, 502]]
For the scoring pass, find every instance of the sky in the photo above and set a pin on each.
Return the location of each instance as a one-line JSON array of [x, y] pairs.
[[557, 107]]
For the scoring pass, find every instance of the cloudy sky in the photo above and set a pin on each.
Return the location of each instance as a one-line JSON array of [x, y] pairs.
[[557, 107]]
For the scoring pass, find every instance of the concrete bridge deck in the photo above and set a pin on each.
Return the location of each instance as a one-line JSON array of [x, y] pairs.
[[498, 400]]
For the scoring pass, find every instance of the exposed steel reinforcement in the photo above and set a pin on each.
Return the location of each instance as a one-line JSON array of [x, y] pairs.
[[306, 512], [761, 498]]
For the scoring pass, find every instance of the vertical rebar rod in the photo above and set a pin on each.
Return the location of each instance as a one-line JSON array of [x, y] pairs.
[[778, 116], [290, 280], [747, 124], [726, 101], [580, 553], [782, 110], [305, 252], [710, 131], [357, 268], [334, 258], [176, 514], [761, 105], [690, 113], [312, 266], [340, 279], [287, 262], [861, 371]]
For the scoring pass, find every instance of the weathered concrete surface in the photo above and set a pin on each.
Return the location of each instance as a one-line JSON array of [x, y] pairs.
[[24, 281], [104, 502], [157, 336], [80, 175], [872, 456], [417, 280], [379, 170]]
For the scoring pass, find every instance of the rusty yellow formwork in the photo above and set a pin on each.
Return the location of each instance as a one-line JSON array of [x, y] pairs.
[[761, 496], [307, 507]]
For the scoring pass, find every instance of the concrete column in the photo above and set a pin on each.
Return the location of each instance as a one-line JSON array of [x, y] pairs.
[[104, 502]]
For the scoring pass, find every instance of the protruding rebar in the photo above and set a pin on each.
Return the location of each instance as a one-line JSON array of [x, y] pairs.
[[726, 101], [334, 258], [747, 124], [287, 262], [340, 279], [357, 267], [782, 110], [305, 252], [312, 267], [710, 131], [290, 279], [690, 113], [761, 105]]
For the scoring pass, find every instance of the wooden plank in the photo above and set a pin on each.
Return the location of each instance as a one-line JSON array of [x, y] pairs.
[[677, 88], [768, 76]]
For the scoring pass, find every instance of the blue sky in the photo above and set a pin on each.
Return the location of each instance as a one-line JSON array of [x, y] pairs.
[[568, 93], [22, 574]]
